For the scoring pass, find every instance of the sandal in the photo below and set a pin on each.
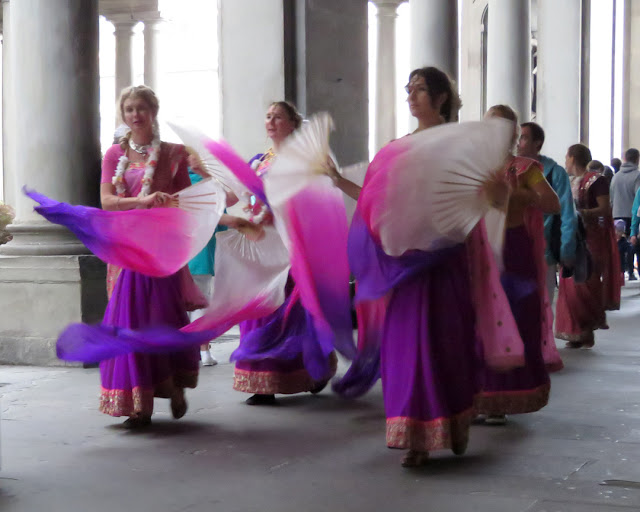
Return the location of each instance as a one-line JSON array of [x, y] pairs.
[[259, 399], [573, 344], [178, 404], [319, 387], [135, 422], [415, 459]]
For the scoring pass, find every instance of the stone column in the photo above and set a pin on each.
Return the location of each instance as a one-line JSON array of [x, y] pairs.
[[559, 65], [509, 55], [124, 59], [9, 185], [338, 84], [259, 68], [434, 35], [54, 134], [386, 72], [151, 61]]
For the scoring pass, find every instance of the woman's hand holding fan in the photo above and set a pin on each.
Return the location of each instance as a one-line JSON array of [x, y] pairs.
[[429, 190], [496, 190]]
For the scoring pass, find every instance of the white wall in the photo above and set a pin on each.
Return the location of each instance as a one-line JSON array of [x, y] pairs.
[[251, 69]]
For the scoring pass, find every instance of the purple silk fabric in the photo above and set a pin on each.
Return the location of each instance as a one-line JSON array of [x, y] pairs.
[[140, 301], [128, 239], [285, 335], [377, 273], [429, 362], [144, 315]]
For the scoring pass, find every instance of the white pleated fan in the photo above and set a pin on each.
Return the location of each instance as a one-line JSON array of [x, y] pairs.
[[205, 201], [434, 197], [194, 139], [246, 269], [300, 161]]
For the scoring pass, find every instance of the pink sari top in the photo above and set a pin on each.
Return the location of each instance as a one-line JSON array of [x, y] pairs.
[[515, 169], [171, 176]]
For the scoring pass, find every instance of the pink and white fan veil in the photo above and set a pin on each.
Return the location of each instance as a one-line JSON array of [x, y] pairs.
[[312, 212], [431, 186], [195, 140]]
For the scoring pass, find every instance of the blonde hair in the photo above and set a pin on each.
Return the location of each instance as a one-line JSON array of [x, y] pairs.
[[148, 96], [506, 112], [503, 111]]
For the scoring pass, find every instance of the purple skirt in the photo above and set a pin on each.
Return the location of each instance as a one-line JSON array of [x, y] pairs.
[[130, 382], [429, 365], [523, 389], [271, 357]]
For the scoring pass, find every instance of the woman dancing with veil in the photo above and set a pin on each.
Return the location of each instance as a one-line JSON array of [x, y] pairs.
[[440, 301], [257, 371]]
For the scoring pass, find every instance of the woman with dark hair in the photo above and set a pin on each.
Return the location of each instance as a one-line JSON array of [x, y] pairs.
[[266, 377], [428, 362], [524, 389], [581, 307]]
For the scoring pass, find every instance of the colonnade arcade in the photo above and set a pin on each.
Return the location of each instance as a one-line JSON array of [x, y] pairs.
[[314, 53]]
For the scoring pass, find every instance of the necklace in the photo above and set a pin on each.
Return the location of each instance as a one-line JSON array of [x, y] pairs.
[[147, 178], [139, 148]]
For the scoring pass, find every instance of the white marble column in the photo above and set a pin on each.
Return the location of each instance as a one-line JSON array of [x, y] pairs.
[[559, 61], [434, 35], [55, 137], [8, 181], [124, 57], [151, 61], [386, 72], [509, 55]]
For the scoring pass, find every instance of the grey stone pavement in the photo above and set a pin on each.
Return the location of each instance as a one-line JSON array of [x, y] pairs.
[[320, 453]]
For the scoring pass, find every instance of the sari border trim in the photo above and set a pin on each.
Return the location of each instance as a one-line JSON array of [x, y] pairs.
[[437, 434], [513, 402]]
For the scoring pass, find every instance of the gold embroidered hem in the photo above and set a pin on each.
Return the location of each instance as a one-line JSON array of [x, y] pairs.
[[438, 434], [512, 402], [125, 402], [283, 383], [121, 402]]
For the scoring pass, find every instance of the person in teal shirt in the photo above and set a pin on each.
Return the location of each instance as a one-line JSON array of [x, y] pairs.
[[530, 145], [202, 269]]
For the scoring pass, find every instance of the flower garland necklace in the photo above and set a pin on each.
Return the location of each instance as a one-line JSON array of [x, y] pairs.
[[150, 168]]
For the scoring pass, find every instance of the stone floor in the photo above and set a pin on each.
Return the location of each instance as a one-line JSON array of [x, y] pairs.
[[318, 453]]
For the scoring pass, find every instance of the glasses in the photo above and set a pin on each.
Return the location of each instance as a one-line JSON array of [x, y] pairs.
[[415, 88]]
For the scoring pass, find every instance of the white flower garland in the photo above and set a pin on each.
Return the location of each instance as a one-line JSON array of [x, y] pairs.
[[147, 178]]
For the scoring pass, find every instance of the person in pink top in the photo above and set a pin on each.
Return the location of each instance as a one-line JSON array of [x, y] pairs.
[[142, 172]]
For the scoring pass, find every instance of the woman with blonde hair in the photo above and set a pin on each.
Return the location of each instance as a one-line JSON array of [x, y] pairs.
[[524, 389], [142, 172]]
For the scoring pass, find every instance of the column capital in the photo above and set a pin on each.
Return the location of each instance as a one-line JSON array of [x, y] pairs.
[[122, 22], [150, 17], [388, 8]]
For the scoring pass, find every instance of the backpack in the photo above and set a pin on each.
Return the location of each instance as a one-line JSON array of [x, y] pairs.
[[555, 237], [581, 271]]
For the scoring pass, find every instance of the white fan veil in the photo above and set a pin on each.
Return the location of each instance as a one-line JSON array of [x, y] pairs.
[[434, 195], [300, 160], [205, 201], [246, 269]]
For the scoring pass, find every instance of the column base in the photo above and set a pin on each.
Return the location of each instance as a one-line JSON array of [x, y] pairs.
[[40, 296], [41, 239]]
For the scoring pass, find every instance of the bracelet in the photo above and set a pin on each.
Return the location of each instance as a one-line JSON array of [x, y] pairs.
[[118, 203]]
